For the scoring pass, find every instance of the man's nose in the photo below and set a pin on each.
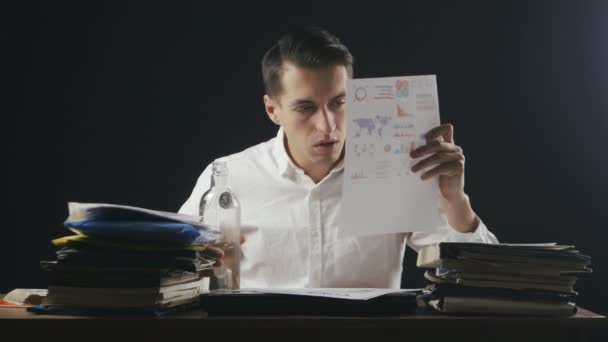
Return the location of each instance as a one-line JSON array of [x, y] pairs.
[[326, 122]]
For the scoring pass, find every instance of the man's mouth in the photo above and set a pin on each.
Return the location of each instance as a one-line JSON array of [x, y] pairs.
[[327, 142]]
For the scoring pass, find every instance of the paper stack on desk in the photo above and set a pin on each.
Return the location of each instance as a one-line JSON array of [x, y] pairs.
[[526, 279], [126, 259]]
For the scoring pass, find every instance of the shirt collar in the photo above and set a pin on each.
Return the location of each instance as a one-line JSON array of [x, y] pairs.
[[285, 166], [284, 163], [340, 166]]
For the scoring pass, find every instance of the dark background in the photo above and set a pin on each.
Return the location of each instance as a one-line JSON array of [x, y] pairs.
[[126, 103]]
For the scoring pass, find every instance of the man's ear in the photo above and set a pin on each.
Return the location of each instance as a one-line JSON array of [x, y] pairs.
[[271, 109]]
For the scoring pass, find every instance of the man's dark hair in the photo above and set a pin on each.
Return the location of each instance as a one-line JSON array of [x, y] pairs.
[[307, 47]]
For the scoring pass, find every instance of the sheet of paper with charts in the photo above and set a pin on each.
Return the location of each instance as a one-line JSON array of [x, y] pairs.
[[386, 119]]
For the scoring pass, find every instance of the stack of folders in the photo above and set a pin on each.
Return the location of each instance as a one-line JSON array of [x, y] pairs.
[[518, 279], [127, 260]]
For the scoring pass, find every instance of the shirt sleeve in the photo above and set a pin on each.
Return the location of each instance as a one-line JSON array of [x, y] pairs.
[[445, 233], [191, 206]]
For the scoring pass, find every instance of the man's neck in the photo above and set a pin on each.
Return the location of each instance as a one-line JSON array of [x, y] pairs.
[[316, 172]]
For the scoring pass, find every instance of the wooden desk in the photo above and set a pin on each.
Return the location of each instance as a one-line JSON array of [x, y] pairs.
[[425, 324]]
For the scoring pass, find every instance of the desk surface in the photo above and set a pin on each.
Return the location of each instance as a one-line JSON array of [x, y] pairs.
[[583, 315], [424, 323]]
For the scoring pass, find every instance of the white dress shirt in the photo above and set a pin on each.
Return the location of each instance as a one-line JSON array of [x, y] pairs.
[[290, 227]]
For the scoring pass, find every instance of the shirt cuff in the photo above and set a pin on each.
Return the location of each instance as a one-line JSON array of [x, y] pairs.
[[481, 234]]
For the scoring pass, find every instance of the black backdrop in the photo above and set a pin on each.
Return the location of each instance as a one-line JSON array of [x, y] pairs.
[[126, 103]]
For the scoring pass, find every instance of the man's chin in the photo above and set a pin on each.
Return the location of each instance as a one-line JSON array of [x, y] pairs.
[[327, 154]]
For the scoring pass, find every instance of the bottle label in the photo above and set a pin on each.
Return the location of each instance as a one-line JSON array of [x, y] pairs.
[[225, 200]]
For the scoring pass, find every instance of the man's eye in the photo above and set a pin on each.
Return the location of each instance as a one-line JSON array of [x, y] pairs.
[[338, 103], [306, 109]]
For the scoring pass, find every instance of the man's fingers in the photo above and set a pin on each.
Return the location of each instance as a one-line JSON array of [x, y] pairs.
[[434, 147], [207, 273], [217, 253], [452, 168], [437, 159], [446, 131], [214, 251]]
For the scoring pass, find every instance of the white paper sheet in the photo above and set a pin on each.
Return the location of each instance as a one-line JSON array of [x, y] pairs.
[[342, 293], [386, 119]]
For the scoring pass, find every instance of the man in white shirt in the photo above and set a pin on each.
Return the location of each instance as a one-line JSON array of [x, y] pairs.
[[290, 187]]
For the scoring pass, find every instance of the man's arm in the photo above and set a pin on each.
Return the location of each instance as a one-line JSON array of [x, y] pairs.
[[460, 214], [446, 233], [191, 206], [444, 159]]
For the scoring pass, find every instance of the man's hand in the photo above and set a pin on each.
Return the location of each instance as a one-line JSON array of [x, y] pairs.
[[445, 159], [215, 251]]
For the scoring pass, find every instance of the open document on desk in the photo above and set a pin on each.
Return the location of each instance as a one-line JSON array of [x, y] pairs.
[[311, 301], [340, 293]]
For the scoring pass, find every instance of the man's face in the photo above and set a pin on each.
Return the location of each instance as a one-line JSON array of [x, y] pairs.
[[311, 111]]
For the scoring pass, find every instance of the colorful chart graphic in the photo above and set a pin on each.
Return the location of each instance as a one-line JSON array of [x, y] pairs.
[[371, 125], [358, 175], [401, 113], [402, 88], [384, 92], [360, 94], [425, 102], [411, 147], [383, 120], [387, 114], [400, 149], [364, 150], [365, 124]]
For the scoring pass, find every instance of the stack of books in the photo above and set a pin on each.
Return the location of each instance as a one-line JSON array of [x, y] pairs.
[[127, 260], [526, 279]]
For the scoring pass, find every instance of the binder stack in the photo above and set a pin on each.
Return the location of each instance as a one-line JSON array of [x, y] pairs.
[[524, 279], [127, 260]]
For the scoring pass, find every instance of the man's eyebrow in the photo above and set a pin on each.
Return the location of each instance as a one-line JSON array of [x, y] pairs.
[[301, 102]]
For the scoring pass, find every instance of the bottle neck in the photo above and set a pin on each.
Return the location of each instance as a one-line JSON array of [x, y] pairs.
[[219, 180]]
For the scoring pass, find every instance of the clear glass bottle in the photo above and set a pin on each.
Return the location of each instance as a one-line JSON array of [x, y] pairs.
[[220, 208]]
